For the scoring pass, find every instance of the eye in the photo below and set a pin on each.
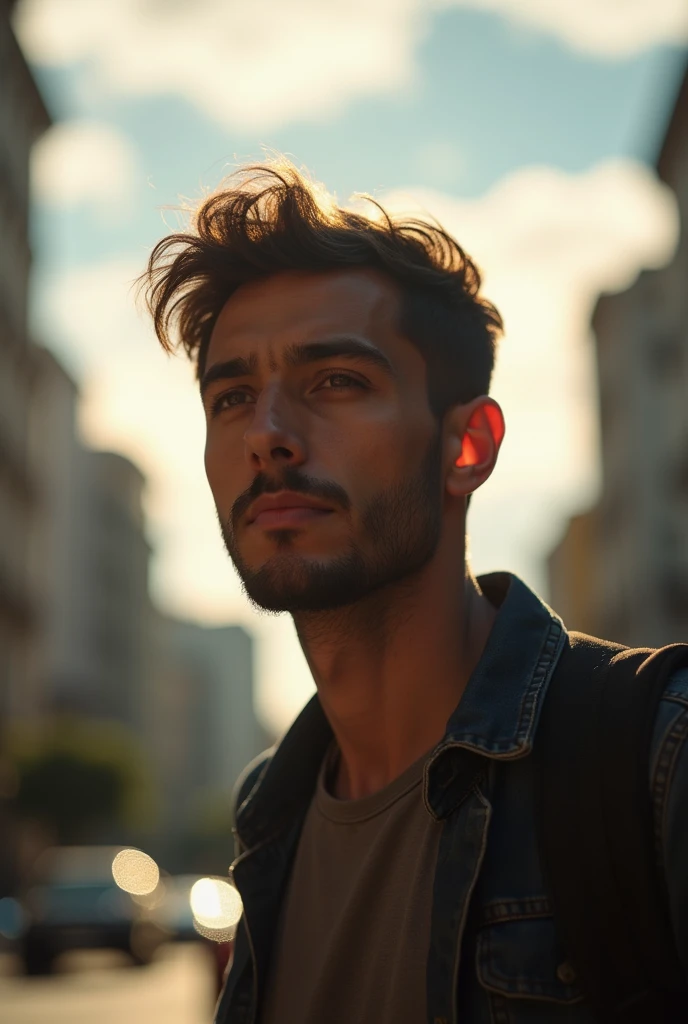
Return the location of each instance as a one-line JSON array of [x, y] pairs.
[[228, 400], [341, 382]]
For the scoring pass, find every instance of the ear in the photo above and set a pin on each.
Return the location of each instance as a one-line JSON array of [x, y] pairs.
[[476, 431]]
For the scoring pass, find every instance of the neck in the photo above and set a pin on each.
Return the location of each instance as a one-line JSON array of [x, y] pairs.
[[391, 669]]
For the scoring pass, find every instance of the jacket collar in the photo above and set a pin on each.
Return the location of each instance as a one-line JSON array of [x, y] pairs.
[[500, 706], [496, 718]]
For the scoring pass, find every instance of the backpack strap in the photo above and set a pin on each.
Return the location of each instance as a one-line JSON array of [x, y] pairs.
[[596, 829]]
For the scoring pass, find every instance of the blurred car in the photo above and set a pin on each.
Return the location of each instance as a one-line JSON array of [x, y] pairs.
[[76, 904], [12, 924]]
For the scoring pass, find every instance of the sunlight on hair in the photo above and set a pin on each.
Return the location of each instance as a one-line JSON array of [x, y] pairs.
[[216, 907], [135, 872]]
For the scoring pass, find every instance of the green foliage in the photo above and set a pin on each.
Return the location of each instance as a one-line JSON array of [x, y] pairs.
[[77, 775], [70, 793]]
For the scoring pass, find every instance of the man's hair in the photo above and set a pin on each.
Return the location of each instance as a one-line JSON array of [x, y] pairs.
[[271, 218]]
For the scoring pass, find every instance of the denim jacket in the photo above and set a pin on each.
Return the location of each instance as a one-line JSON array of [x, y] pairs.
[[494, 957]]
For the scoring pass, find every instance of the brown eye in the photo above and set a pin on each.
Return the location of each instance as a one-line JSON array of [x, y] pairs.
[[228, 400], [341, 382]]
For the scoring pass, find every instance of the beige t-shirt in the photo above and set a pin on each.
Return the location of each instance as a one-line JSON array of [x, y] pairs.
[[352, 943]]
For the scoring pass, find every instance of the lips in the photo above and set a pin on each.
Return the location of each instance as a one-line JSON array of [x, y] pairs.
[[284, 517], [275, 510]]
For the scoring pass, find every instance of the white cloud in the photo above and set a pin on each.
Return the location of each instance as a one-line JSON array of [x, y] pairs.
[[589, 231], [250, 66], [548, 242], [606, 28], [255, 66], [84, 162]]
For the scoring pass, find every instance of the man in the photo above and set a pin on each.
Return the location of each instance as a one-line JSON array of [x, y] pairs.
[[386, 857]]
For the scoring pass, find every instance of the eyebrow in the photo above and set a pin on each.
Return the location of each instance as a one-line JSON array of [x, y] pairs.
[[302, 354]]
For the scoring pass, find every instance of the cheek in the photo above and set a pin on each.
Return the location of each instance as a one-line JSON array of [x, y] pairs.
[[377, 460], [222, 470]]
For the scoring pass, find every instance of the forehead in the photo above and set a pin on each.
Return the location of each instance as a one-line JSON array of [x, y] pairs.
[[298, 306]]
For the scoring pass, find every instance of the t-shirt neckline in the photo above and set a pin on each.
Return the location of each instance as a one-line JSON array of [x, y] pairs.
[[350, 811]]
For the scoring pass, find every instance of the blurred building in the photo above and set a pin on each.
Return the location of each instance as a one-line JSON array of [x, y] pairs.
[[621, 570], [102, 650], [88, 564], [112, 589], [202, 725], [54, 462], [23, 118], [100, 647]]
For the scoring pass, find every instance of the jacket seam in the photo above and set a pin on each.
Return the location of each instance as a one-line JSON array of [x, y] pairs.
[[491, 915], [529, 701], [676, 697], [518, 987]]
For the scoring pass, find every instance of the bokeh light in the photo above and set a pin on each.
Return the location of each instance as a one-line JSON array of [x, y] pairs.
[[154, 898], [135, 872], [216, 907]]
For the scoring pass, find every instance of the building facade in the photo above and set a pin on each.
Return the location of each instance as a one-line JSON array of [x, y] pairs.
[[23, 118], [101, 649], [54, 461], [634, 545], [201, 723], [88, 558], [112, 589]]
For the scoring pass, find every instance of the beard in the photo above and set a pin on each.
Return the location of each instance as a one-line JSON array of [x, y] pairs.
[[400, 531]]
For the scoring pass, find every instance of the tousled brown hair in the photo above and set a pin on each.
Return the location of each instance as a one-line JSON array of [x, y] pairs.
[[271, 218]]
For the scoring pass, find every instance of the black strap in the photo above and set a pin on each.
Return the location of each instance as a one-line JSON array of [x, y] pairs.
[[596, 828]]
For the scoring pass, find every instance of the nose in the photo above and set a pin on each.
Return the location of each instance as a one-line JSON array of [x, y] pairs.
[[273, 436]]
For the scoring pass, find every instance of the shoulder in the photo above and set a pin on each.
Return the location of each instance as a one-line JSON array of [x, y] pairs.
[[249, 778]]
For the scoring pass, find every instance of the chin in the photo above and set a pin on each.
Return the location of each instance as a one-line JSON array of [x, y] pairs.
[[293, 583]]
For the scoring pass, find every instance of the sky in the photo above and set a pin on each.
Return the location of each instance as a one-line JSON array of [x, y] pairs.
[[527, 127]]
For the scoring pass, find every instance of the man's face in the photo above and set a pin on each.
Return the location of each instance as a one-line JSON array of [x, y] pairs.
[[323, 456]]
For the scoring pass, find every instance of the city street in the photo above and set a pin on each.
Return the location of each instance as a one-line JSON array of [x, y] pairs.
[[101, 988]]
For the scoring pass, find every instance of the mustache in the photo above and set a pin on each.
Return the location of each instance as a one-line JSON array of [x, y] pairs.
[[291, 479]]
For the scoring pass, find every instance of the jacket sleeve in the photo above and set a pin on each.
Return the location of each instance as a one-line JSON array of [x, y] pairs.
[[669, 779]]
